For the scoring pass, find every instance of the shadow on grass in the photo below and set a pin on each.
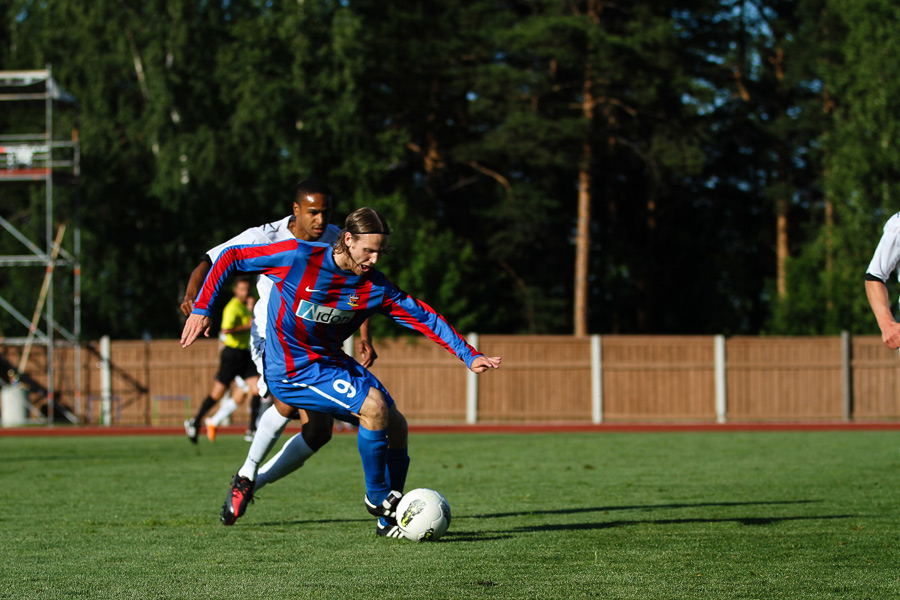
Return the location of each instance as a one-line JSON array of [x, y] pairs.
[[609, 524], [571, 511], [743, 520], [456, 536], [499, 534]]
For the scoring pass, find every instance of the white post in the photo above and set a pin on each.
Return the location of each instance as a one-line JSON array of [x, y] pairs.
[[472, 386], [105, 382], [348, 346], [14, 405], [596, 380], [847, 374], [721, 389]]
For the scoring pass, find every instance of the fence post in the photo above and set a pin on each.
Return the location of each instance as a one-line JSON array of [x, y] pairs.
[[105, 382], [596, 380], [847, 374], [472, 386], [721, 387]]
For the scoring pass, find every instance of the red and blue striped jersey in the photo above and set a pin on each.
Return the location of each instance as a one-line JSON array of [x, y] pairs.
[[315, 305]]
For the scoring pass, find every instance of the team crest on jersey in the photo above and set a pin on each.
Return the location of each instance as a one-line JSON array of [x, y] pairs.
[[323, 314], [353, 300]]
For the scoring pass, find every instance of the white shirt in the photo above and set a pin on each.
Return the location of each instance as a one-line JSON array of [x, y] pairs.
[[270, 233], [887, 253]]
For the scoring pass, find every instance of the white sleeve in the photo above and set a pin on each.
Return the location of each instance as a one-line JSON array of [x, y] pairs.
[[887, 253], [254, 235]]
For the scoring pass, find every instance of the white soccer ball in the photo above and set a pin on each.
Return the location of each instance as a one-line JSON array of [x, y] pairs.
[[423, 515]]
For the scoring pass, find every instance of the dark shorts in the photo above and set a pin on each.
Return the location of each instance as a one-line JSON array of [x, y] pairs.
[[234, 362]]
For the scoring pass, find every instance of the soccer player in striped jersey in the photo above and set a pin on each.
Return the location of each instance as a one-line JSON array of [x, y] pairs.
[[311, 212], [321, 295]]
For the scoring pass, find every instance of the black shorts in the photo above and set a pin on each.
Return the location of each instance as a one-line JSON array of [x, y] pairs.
[[234, 362]]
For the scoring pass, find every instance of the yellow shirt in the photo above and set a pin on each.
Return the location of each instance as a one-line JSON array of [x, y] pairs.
[[234, 315]]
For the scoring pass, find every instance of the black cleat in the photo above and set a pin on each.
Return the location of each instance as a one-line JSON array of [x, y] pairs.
[[239, 496]]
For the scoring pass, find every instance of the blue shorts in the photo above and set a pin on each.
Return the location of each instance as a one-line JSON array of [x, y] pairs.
[[330, 387]]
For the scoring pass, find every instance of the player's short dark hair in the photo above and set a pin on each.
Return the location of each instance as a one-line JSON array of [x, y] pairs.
[[312, 186]]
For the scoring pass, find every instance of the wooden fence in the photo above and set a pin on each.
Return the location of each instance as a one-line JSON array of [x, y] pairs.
[[543, 378]]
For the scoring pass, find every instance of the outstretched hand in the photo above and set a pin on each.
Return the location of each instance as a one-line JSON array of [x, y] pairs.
[[193, 327], [483, 363]]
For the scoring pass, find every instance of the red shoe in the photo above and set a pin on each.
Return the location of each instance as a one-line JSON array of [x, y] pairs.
[[239, 496]]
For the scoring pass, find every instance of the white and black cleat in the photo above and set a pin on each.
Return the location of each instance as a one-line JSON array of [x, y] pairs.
[[391, 530], [387, 508], [190, 430]]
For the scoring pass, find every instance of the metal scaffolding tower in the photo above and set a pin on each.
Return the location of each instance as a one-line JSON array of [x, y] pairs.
[[41, 157]]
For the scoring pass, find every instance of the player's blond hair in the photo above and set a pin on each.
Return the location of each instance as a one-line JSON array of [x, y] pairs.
[[361, 222]]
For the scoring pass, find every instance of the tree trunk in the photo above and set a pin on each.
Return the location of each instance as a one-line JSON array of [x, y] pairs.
[[781, 246], [783, 202], [583, 240], [583, 229], [829, 248]]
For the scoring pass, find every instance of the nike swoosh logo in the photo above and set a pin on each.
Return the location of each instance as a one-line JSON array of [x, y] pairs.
[[311, 291]]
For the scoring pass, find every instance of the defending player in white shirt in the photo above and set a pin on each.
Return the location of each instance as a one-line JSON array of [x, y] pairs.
[[884, 265]]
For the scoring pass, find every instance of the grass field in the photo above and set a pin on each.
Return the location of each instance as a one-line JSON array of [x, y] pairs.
[[588, 515]]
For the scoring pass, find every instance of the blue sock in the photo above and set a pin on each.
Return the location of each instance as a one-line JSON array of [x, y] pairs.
[[397, 460], [372, 446]]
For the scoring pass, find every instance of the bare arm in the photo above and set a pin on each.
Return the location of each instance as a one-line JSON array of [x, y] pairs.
[[193, 287], [367, 354], [879, 300]]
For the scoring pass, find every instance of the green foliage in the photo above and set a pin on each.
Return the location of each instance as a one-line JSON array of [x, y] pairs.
[[861, 178], [466, 123]]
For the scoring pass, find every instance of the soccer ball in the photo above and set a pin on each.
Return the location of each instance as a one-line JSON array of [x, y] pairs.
[[423, 515]]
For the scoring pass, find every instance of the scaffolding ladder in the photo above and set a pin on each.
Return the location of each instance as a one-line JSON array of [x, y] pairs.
[[42, 157]]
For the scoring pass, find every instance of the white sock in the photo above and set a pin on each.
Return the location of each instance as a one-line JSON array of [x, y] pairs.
[[290, 458], [264, 405], [271, 424], [226, 407]]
